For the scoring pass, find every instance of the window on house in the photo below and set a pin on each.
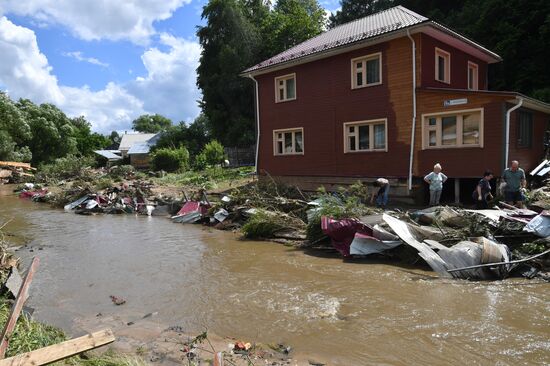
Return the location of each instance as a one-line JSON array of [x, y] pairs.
[[442, 66], [285, 88], [472, 76], [288, 142], [525, 129], [365, 136], [366, 71], [458, 129]]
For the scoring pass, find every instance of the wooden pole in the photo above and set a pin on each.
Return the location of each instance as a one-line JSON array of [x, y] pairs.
[[22, 296], [60, 351]]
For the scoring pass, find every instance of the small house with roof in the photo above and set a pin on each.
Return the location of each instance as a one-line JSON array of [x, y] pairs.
[[390, 95]]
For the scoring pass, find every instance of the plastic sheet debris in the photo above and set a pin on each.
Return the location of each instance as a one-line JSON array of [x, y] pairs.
[[221, 215], [539, 225], [365, 245]]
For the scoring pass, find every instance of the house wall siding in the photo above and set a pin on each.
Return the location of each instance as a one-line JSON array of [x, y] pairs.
[[469, 162], [459, 66], [528, 158], [325, 101]]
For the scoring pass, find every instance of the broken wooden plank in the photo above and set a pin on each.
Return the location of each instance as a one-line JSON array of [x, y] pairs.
[[218, 359], [16, 164], [60, 351], [17, 306]]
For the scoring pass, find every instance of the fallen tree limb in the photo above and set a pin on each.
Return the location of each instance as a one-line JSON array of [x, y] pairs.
[[501, 263], [62, 350], [22, 296]]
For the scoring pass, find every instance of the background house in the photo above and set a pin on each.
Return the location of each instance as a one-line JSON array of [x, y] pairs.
[[390, 95]]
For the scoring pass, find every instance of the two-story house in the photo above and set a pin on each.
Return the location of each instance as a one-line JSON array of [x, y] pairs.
[[390, 95]]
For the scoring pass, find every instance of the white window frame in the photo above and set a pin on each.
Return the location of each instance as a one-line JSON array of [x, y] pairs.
[[277, 88], [447, 57], [354, 61], [292, 131], [475, 67], [459, 129], [370, 123]]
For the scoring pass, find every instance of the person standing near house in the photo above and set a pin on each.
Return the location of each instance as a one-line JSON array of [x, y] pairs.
[[514, 177], [435, 179], [382, 194], [482, 193]]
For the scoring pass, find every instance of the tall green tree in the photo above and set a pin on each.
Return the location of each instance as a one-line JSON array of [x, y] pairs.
[[356, 9], [53, 134], [292, 22], [86, 140], [230, 43], [193, 136], [148, 123]]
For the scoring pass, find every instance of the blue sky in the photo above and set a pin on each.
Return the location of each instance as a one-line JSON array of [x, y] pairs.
[[109, 61]]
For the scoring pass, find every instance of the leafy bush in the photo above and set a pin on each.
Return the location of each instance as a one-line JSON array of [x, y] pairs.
[[70, 166], [170, 160], [261, 225], [212, 154], [336, 207]]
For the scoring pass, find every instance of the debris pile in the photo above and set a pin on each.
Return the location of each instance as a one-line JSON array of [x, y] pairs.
[[455, 243], [15, 172]]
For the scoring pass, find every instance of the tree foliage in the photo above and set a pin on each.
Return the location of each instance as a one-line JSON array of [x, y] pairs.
[[237, 35], [193, 136], [42, 133], [170, 160], [148, 123]]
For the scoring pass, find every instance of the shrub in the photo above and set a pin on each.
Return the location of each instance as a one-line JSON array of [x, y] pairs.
[[170, 160], [213, 153], [70, 166]]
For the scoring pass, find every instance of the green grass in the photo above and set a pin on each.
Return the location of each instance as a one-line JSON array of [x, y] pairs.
[[30, 335], [208, 178]]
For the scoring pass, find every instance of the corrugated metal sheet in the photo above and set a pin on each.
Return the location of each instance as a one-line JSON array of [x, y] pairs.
[[108, 154], [374, 25], [129, 139]]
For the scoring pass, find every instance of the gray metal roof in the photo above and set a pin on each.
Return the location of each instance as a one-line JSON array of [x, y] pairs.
[[109, 154], [139, 148], [373, 25], [129, 139], [391, 20]]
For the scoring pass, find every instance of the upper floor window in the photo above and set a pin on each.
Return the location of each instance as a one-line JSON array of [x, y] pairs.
[[285, 88], [366, 70], [472, 76], [453, 129], [525, 129], [442, 66], [288, 142], [365, 136]]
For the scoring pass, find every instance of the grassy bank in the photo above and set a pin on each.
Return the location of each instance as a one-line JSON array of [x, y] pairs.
[[30, 335]]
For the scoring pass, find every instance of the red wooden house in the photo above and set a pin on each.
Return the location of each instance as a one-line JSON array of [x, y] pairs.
[[390, 95]]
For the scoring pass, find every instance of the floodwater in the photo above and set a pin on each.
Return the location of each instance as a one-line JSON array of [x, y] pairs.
[[343, 313]]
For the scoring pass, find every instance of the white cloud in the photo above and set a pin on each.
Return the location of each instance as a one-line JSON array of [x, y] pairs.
[[24, 70], [77, 55], [98, 19], [112, 108], [168, 87]]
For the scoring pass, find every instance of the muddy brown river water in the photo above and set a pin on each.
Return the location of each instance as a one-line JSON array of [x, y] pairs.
[[343, 313]]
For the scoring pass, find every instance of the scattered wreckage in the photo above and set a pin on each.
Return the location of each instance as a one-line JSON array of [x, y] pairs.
[[15, 172], [454, 242], [461, 256]]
